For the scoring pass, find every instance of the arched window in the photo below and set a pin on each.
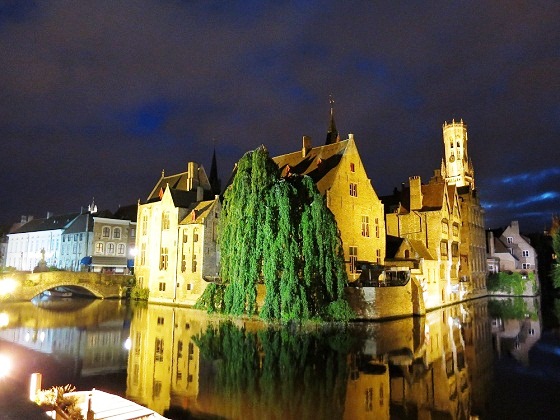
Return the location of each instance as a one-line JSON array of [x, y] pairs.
[[110, 248], [106, 232], [121, 249], [99, 248], [117, 233]]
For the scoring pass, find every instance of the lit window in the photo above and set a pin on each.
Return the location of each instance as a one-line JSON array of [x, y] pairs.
[[443, 248], [110, 248], [165, 220], [163, 260], [143, 254], [365, 226], [162, 286], [353, 189], [194, 263], [99, 248], [145, 224], [353, 253]]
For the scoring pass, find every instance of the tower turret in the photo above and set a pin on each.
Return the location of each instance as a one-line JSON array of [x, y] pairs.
[[332, 132], [458, 167]]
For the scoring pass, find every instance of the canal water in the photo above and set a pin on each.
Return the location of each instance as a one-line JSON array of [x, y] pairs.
[[487, 359]]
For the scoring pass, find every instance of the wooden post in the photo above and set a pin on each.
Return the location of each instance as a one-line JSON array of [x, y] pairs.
[[35, 385]]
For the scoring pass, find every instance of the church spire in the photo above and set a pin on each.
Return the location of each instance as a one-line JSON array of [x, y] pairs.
[[332, 132], [215, 182]]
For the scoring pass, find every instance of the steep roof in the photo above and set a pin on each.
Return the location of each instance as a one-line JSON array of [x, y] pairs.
[[320, 163], [198, 211], [51, 223], [179, 182], [79, 224]]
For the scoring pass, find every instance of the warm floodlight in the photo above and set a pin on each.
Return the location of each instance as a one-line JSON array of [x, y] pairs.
[[5, 365], [4, 319], [127, 344], [7, 286]]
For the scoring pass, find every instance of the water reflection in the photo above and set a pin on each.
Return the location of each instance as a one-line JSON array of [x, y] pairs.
[[180, 362]]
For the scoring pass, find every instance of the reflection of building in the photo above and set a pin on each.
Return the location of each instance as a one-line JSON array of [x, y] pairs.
[[163, 363], [177, 237], [516, 336], [340, 176]]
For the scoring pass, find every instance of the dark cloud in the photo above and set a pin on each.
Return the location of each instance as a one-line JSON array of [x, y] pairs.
[[98, 97]]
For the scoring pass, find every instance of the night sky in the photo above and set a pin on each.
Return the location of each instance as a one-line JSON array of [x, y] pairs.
[[97, 97]]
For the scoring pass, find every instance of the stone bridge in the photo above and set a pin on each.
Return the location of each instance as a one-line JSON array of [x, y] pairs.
[[17, 287]]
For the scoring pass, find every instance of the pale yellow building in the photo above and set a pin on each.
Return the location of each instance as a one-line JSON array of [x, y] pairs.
[[429, 216], [458, 170], [176, 240], [340, 176]]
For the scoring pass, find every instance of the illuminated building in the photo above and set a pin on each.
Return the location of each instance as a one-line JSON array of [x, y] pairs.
[[340, 176], [176, 248], [458, 170]]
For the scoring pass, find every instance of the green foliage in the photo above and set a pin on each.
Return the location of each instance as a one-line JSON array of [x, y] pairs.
[[277, 231], [510, 283], [212, 299], [338, 310], [511, 308], [555, 272], [139, 293]]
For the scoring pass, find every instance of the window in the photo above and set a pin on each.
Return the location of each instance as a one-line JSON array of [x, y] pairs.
[[163, 259], [158, 351], [195, 236], [143, 254], [185, 237], [445, 227], [132, 232], [162, 286], [352, 167], [121, 249], [165, 220], [353, 253], [160, 320], [365, 226], [455, 249], [455, 229], [183, 263], [526, 266], [144, 224], [443, 248], [106, 232], [353, 189], [99, 248], [378, 256], [525, 253], [509, 240], [117, 233], [110, 248], [194, 263]]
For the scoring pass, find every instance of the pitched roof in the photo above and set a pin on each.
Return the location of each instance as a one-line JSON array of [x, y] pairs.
[[79, 224], [201, 210], [51, 223], [179, 182], [320, 163]]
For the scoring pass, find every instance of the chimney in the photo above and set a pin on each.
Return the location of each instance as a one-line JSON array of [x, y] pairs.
[[306, 147], [199, 193], [415, 193], [23, 219]]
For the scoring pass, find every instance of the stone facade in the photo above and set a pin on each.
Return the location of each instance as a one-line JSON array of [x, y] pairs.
[[176, 241], [508, 250], [340, 176]]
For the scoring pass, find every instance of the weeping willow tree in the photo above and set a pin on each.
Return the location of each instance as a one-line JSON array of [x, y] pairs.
[[278, 231]]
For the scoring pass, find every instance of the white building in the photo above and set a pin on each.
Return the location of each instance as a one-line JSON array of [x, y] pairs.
[[508, 250]]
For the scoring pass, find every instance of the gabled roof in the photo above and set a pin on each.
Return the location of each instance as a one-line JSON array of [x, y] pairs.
[[178, 182], [52, 223], [433, 196], [80, 223], [394, 245], [198, 211], [320, 163]]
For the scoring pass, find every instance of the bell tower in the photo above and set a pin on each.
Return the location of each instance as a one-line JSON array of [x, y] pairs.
[[458, 166]]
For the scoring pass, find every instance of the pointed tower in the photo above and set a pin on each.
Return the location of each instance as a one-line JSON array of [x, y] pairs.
[[332, 132], [458, 167], [215, 182]]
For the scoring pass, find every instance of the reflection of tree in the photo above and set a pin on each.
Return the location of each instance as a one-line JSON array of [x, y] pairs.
[[295, 374], [511, 308]]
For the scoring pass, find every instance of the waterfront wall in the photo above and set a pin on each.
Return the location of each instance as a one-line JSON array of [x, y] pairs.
[[101, 285], [372, 303]]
